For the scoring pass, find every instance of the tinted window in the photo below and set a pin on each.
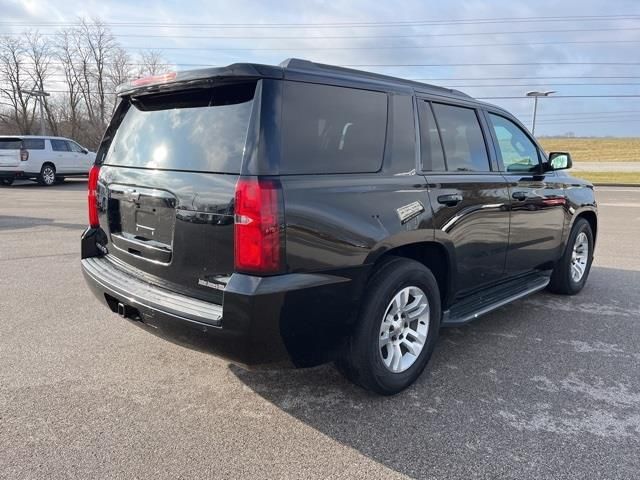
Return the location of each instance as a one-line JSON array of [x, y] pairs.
[[10, 144], [402, 137], [75, 147], [33, 143], [518, 152], [464, 146], [201, 130], [430, 145], [328, 129], [60, 145]]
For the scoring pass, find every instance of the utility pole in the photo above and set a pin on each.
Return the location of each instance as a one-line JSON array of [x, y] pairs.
[[39, 94], [535, 96]]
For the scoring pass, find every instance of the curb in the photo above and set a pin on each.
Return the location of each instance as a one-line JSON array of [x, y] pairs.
[[616, 185]]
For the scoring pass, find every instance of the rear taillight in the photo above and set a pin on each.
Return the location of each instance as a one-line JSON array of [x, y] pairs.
[[257, 226], [92, 196], [24, 155]]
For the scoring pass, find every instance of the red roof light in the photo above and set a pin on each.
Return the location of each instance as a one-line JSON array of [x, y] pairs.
[[154, 79]]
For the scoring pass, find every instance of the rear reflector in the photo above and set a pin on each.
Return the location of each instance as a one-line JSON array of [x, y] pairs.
[[92, 196], [257, 226]]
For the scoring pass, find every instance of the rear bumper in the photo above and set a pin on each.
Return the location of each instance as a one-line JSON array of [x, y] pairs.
[[287, 320]]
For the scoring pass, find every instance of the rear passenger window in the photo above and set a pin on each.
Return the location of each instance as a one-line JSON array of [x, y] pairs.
[[327, 129], [430, 145], [462, 138], [60, 145], [33, 143]]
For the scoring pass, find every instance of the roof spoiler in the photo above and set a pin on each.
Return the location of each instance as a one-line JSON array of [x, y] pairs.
[[184, 79]]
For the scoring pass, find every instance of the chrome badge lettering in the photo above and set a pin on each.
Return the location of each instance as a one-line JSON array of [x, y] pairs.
[[407, 212]]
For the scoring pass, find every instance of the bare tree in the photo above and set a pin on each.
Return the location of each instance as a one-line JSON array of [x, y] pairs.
[[120, 68], [18, 108], [70, 107], [152, 62], [82, 65], [40, 55]]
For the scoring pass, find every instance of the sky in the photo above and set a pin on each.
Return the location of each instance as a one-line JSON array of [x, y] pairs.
[[587, 51]]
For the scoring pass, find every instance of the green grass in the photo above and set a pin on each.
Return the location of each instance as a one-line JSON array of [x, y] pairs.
[[602, 149], [609, 177]]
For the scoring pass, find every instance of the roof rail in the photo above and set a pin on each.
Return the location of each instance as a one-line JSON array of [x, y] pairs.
[[301, 64]]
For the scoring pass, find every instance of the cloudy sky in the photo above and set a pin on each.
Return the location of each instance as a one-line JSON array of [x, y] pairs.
[[586, 50]]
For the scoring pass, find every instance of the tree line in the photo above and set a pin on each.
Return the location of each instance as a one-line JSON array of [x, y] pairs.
[[80, 67]]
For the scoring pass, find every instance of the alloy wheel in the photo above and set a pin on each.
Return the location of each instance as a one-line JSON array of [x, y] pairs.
[[579, 257], [48, 175], [404, 329]]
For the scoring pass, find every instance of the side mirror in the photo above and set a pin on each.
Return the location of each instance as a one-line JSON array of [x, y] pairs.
[[85, 151], [559, 161]]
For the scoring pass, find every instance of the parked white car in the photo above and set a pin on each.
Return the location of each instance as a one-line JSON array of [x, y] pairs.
[[41, 158]]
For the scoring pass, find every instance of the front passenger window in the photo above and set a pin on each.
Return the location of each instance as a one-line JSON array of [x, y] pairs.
[[518, 152]]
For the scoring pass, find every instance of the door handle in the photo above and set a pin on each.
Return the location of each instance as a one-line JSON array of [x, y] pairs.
[[450, 200], [520, 196]]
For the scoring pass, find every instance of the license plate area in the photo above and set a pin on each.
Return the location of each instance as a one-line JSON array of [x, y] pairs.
[[142, 222]]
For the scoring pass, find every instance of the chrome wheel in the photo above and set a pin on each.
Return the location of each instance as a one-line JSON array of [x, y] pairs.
[[579, 257], [404, 329], [48, 175]]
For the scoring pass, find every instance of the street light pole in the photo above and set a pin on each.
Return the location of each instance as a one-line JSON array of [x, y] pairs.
[[535, 96], [39, 94]]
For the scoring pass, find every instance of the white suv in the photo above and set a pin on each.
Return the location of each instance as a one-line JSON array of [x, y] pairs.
[[45, 159]]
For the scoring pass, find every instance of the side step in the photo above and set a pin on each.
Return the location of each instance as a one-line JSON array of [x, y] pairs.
[[483, 302]]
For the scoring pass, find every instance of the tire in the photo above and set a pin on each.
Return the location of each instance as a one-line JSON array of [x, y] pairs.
[[6, 181], [565, 279], [364, 361], [47, 175]]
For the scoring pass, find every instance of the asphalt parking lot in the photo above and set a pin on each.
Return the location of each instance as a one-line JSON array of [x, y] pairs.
[[548, 387]]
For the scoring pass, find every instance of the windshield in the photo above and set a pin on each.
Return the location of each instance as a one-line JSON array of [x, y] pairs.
[[197, 130]]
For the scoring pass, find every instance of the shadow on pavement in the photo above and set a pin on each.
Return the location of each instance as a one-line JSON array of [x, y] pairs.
[[537, 389], [69, 184], [8, 222]]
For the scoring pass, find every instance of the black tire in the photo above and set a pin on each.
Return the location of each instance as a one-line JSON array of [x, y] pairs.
[[362, 361], [47, 175], [6, 181], [562, 280]]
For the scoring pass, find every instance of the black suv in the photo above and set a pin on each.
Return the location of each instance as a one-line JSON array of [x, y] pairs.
[[306, 213]]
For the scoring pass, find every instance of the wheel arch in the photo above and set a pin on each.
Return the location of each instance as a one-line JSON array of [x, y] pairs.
[[591, 217], [433, 255]]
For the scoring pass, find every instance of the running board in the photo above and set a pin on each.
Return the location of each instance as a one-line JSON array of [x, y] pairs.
[[471, 308]]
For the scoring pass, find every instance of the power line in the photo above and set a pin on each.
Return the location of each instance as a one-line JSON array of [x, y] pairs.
[[391, 47], [543, 83], [484, 64], [470, 21], [521, 97], [583, 113], [413, 35]]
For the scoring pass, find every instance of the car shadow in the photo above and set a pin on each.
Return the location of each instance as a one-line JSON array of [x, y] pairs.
[[494, 400], [68, 184], [8, 222]]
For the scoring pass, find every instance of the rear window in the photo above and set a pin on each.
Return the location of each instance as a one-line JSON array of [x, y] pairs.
[[328, 129], [33, 143], [10, 143], [60, 145], [198, 130], [462, 138]]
